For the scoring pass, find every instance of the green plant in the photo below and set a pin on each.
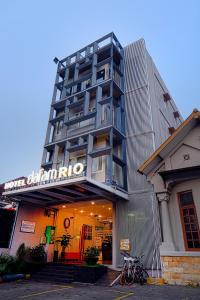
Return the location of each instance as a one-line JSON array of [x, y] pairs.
[[91, 252], [8, 264], [38, 254], [22, 252], [64, 241]]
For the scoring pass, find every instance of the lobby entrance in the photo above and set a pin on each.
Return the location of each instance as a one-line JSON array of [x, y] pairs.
[[87, 224]]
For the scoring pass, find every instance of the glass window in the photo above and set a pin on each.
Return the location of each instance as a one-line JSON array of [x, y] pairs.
[[97, 164], [189, 221]]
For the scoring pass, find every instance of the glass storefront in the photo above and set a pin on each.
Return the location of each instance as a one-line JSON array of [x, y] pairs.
[[88, 224]]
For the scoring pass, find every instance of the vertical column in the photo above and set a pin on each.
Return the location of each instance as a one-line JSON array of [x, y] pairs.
[[98, 106], [167, 244], [89, 158], [86, 102], [55, 157], [114, 236]]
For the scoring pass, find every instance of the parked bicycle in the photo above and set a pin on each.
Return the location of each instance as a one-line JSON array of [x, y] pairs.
[[133, 270]]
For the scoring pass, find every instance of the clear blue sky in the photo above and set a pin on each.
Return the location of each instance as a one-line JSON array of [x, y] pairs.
[[33, 32]]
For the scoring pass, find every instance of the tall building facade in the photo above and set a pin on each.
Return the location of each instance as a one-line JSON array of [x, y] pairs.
[[110, 110], [87, 119]]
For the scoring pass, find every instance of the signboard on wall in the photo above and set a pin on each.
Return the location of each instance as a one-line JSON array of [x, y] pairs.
[[27, 226], [45, 176], [125, 245]]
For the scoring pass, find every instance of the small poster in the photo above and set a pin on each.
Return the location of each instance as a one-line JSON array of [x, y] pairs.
[[125, 245], [28, 227]]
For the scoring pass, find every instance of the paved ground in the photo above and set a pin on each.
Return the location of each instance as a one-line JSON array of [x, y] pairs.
[[30, 290]]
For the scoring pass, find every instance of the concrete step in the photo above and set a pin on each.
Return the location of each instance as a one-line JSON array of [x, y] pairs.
[[52, 278]]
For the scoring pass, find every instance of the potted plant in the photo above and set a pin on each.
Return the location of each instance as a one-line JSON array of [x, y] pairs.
[[55, 253], [91, 255], [64, 241]]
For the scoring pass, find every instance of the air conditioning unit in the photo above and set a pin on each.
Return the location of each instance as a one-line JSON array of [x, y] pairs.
[[166, 97], [171, 130], [176, 114]]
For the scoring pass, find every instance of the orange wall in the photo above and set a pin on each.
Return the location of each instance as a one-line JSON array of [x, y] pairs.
[[30, 213]]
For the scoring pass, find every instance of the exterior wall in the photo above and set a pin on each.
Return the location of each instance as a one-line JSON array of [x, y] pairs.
[[181, 269], [33, 214], [145, 131], [177, 231]]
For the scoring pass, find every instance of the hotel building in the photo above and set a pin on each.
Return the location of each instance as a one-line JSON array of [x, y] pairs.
[[110, 110]]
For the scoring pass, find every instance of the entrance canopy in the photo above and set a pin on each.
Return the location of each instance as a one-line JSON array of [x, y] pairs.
[[71, 190]]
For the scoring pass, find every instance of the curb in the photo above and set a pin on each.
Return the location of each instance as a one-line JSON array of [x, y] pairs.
[[14, 277]]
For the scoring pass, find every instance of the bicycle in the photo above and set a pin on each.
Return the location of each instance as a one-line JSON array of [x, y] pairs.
[[133, 270], [127, 276]]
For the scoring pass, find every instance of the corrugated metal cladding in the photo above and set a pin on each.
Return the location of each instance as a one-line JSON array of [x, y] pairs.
[[147, 120]]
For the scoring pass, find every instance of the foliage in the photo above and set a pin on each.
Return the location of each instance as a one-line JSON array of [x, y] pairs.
[[91, 252], [64, 241], [38, 254], [7, 264], [22, 252]]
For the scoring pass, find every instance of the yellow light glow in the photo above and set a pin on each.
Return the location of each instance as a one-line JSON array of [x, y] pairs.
[[100, 216], [109, 208], [93, 203], [91, 214], [81, 211], [63, 206]]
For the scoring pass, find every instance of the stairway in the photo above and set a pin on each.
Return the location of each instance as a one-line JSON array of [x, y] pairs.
[[56, 272]]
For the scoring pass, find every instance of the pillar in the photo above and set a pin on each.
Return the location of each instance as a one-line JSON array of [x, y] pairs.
[[167, 244]]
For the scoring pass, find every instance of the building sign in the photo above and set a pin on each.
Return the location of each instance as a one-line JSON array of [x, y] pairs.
[[42, 176], [27, 226], [125, 245]]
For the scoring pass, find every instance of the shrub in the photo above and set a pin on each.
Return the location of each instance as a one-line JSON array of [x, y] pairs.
[[8, 264], [38, 254], [91, 252], [22, 252]]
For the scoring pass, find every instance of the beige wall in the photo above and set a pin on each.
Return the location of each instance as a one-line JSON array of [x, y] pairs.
[[189, 145], [32, 214]]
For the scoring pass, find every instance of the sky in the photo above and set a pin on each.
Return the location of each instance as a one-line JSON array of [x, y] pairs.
[[33, 32]]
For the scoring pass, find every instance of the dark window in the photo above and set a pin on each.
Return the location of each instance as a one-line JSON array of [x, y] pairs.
[[7, 218], [189, 221], [101, 74]]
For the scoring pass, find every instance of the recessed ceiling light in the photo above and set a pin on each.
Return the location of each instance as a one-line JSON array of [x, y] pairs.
[[92, 202], [63, 206], [81, 211], [91, 214], [100, 216], [109, 208]]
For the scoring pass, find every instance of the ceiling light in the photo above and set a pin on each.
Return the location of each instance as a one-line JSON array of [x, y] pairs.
[[91, 214], [100, 216], [109, 208], [93, 203], [81, 211], [63, 206]]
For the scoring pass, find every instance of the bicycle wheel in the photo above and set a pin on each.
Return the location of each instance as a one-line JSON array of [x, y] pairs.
[[129, 278], [122, 279], [143, 276]]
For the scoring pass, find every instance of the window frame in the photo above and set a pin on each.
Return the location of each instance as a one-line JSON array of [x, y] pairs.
[[182, 219]]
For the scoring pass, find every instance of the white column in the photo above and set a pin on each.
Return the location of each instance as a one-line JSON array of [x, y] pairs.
[[167, 244]]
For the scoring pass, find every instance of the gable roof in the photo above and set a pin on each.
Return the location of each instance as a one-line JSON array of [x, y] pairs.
[[170, 143]]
